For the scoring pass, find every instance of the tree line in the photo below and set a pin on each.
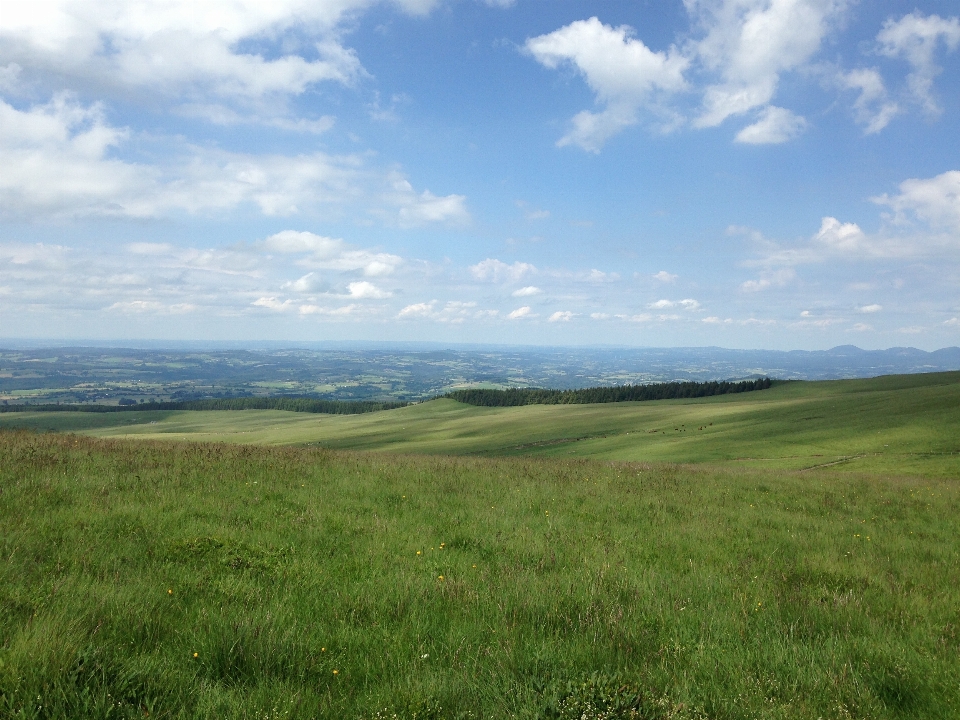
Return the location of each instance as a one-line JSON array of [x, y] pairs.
[[292, 404], [618, 393]]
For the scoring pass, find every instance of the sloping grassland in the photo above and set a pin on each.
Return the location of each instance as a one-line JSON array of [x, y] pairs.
[[900, 424], [184, 579]]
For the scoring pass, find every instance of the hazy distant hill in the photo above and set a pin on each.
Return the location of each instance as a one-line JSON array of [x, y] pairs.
[[404, 372]]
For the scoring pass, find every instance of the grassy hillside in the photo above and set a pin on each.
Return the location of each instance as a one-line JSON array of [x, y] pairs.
[[146, 579], [902, 424]]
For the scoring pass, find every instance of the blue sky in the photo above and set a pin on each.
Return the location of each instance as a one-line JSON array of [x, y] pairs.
[[743, 173]]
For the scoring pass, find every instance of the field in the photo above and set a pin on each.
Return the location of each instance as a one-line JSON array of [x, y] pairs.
[[900, 424], [186, 578]]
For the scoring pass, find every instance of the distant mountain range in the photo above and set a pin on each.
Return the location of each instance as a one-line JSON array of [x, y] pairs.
[[844, 361]]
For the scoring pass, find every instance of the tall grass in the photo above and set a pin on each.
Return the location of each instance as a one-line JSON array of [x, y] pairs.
[[199, 580]]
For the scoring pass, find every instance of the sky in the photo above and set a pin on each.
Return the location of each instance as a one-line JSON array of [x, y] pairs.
[[779, 174]]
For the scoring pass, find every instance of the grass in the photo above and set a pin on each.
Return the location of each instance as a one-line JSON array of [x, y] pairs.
[[180, 579], [538, 562], [907, 424]]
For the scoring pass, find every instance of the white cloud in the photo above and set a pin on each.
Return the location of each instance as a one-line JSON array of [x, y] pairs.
[[454, 312], [425, 208], [713, 320], [768, 279], [151, 306], [309, 283], [599, 316], [598, 276], [871, 308], [934, 200], [561, 316], [925, 222], [665, 277], [329, 253], [915, 38], [743, 48], [952, 322], [334, 312], [840, 237], [751, 42], [623, 73], [872, 107], [417, 310], [272, 303], [755, 285], [225, 115], [526, 291], [862, 327], [244, 52], [364, 290], [56, 161], [776, 125], [295, 241], [687, 304], [521, 312], [497, 271]]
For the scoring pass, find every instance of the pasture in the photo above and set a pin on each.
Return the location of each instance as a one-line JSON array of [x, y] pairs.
[[900, 424], [198, 580], [444, 562]]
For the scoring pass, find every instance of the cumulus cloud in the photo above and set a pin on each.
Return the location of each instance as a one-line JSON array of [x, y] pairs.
[[417, 210], [776, 125], [521, 312], [623, 73], [333, 312], [750, 43], [238, 52], [309, 283], [735, 59], [840, 237], [933, 200], [916, 38], [872, 108], [320, 252], [59, 160], [768, 279], [364, 290], [417, 310], [598, 276], [561, 316], [665, 277], [871, 308], [687, 304], [526, 291], [454, 312], [495, 270], [272, 303]]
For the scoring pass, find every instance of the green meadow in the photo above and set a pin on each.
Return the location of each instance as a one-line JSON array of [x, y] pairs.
[[900, 424], [788, 553]]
